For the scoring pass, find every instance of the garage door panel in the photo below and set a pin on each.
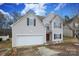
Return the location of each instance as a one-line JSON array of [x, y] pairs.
[[29, 40]]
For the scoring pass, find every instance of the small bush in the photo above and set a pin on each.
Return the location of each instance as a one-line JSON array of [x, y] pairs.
[[0, 39], [8, 39]]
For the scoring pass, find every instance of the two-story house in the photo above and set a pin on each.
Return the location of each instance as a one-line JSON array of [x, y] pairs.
[[36, 30]]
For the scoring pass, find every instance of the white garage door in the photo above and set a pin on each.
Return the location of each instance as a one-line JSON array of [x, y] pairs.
[[29, 40]]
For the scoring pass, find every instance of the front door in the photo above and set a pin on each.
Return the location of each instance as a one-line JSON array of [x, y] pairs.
[[47, 37]]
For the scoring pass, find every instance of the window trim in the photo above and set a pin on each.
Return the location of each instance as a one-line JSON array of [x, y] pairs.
[[31, 22], [57, 36]]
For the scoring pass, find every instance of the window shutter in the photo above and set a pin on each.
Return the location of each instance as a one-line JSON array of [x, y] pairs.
[[54, 36], [27, 21], [34, 22], [60, 36]]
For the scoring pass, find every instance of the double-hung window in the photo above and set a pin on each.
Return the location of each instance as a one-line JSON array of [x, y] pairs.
[[31, 22], [57, 36]]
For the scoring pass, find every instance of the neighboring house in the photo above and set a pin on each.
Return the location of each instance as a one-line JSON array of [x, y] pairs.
[[5, 32], [71, 27], [76, 25], [36, 30], [4, 38], [67, 30]]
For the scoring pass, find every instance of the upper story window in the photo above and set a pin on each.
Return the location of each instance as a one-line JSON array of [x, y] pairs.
[[76, 25], [31, 22], [57, 25]]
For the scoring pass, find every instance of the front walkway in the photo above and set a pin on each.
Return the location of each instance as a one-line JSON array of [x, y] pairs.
[[43, 51]]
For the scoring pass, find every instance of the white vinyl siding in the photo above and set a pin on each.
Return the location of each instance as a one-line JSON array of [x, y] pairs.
[[57, 25], [23, 34]]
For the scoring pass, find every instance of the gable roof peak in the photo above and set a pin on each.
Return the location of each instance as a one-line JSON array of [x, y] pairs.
[[30, 11]]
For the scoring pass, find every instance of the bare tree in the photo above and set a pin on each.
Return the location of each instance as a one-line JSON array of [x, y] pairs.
[[2, 19], [68, 20], [16, 16]]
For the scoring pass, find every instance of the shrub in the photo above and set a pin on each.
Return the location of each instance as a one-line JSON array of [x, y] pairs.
[[8, 39], [0, 39]]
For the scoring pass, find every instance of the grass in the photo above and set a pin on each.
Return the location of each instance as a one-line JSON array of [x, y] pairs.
[[5, 44], [70, 40], [4, 47]]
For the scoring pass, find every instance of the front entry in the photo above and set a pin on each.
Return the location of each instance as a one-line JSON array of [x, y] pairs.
[[47, 37]]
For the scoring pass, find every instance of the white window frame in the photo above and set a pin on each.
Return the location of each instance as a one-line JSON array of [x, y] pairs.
[[31, 22], [57, 36]]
